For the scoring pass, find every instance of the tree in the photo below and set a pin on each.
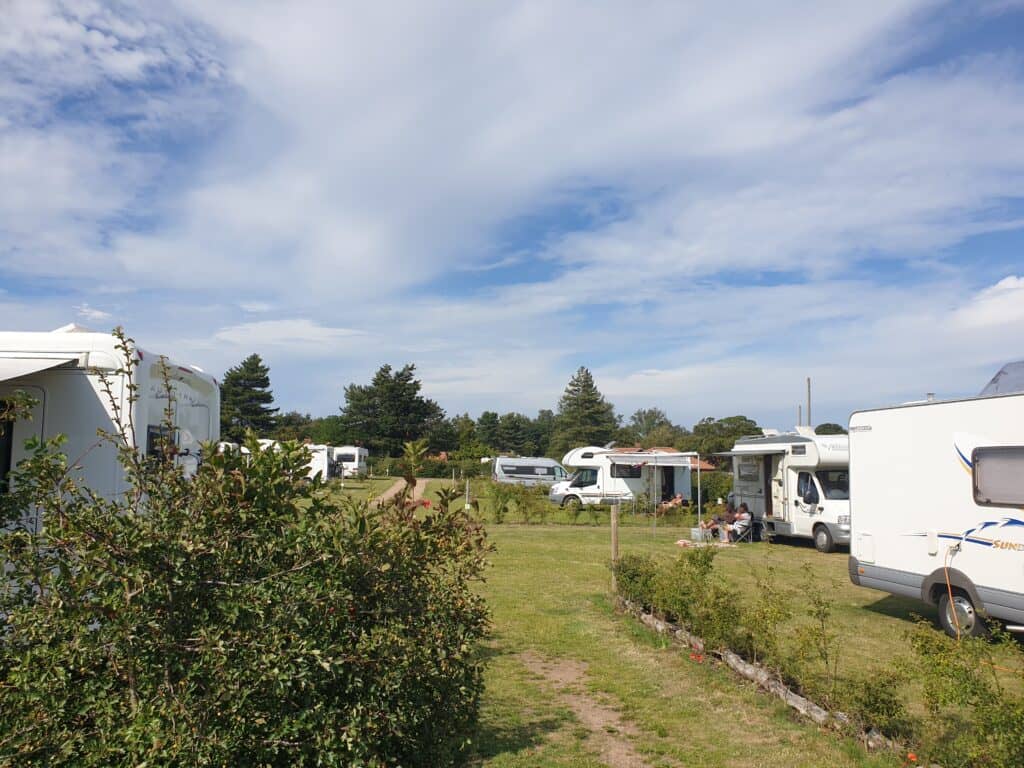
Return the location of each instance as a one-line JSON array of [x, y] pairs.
[[487, 429], [443, 436], [829, 428], [584, 416], [712, 435], [389, 411], [514, 434], [646, 420], [541, 429], [294, 426], [245, 400]]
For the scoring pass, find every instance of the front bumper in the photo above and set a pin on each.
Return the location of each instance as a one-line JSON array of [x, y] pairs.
[[840, 533]]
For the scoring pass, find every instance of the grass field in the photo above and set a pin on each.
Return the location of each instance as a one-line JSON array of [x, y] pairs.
[[571, 683], [365, 488]]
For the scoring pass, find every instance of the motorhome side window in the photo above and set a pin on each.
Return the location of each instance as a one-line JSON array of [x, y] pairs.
[[627, 470], [584, 477], [347, 457], [999, 475], [157, 440], [748, 469]]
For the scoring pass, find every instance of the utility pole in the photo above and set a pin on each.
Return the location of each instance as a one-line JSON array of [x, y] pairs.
[[799, 415], [810, 422]]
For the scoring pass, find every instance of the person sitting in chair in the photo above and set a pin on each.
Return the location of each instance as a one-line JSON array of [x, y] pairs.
[[716, 523], [673, 504], [740, 523]]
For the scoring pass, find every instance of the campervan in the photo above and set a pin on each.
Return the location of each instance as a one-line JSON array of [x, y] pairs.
[[320, 461], [63, 372], [527, 470], [609, 476], [349, 461], [796, 483], [938, 494]]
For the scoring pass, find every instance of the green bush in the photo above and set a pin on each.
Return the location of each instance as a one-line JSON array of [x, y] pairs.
[[242, 617], [634, 578]]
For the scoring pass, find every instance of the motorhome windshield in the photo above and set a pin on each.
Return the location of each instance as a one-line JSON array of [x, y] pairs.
[[835, 484], [583, 477]]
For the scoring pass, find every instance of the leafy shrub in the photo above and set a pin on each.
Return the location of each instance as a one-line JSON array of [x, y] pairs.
[[634, 578], [243, 617], [687, 590], [875, 701], [974, 719]]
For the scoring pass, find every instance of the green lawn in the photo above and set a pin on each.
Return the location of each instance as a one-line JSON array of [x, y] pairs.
[[365, 488], [549, 590]]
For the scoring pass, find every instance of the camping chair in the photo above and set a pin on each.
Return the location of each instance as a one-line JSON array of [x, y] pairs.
[[744, 533]]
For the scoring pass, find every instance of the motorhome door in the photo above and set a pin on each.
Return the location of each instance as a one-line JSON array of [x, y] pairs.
[[587, 484], [806, 503]]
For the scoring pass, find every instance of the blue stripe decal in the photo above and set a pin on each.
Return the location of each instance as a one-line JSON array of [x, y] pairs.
[[964, 459]]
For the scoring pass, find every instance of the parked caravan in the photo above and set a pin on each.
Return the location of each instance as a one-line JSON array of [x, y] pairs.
[[796, 483], [320, 461], [527, 470], [349, 461], [938, 503], [607, 476], [61, 370]]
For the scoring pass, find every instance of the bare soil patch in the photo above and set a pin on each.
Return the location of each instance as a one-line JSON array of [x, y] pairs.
[[608, 733]]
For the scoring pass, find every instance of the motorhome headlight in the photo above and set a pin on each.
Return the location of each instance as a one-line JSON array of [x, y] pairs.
[[844, 519]]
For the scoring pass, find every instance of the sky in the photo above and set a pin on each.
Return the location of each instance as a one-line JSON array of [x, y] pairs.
[[702, 202]]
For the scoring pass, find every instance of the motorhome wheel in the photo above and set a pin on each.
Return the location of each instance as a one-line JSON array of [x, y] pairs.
[[823, 539], [970, 624], [571, 501]]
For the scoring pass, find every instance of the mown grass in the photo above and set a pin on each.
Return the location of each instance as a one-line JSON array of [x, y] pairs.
[[364, 488], [549, 590]]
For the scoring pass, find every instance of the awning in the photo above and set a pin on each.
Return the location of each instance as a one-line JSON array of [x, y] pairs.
[[754, 452], [17, 367], [653, 459]]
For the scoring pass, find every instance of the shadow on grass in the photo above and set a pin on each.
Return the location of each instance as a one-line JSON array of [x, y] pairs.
[[904, 608]]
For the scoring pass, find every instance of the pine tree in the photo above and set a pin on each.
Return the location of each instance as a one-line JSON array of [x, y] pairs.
[[245, 400], [487, 429], [584, 416]]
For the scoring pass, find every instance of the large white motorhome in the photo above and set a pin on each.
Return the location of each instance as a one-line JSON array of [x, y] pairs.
[[607, 476], [938, 503], [349, 460], [797, 483], [62, 370]]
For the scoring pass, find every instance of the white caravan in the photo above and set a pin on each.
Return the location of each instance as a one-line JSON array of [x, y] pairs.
[[797, 483], [62, 371], [609, 476], [938, 503], [527, 470], [349, 461]]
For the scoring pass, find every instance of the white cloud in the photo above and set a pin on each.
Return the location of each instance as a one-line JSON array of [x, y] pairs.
[[291, 336], [91, 313], [999, 305], [255, 307]]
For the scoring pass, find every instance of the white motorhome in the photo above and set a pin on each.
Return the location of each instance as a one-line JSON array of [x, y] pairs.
[[608, 476], [349, 461], [938, 503], [527, 470], [796, 483], [61, 370]]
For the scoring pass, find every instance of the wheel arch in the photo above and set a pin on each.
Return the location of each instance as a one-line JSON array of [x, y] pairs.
[[935, 584]]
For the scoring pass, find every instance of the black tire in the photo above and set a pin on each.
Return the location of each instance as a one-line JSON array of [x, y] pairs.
[[572, 501], [823, 539], [970, 622]]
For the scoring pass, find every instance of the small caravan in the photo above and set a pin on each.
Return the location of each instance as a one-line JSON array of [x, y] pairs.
[[609, 476], [797, 483], [527, 470], [938, 503], [349, 461], [62, 371]]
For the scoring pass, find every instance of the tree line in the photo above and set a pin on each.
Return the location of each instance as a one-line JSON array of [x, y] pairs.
[[391, 409]]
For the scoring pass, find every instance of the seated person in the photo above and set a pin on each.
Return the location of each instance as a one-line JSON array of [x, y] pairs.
[[741, 522], [676, 502], [716, 522]]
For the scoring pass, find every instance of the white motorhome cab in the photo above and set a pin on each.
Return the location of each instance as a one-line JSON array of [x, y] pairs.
[[349, 461], [797, 484], [528, 470], [938, 503], [62, 370], [609, 476]]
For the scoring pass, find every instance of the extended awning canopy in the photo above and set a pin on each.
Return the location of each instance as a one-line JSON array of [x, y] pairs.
[[755, 452], [654, 459], [17, 367]]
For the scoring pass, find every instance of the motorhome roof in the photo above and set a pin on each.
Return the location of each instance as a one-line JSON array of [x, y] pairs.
[[90, 349]]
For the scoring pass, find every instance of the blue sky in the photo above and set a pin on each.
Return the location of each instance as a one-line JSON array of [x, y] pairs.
[[704, 203]]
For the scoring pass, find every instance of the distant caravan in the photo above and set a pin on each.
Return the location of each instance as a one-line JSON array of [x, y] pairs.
[[796, 483], [938, 503], [527, 470], [349, 461], [62, 371]]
